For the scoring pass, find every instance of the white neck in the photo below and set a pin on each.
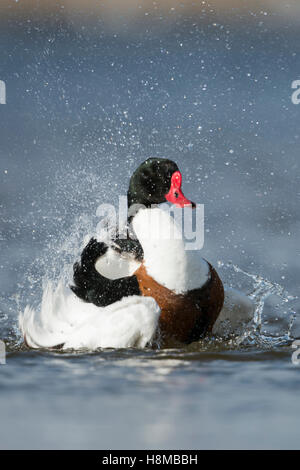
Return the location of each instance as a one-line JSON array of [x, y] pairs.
[[165, 258]]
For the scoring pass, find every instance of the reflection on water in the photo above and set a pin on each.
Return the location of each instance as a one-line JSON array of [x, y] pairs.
[[166, 399]]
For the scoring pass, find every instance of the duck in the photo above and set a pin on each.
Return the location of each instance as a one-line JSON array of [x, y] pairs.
[[186, 287], [139, 291], [65, 322]]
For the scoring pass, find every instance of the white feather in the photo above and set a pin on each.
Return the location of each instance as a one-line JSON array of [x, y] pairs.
[[114, 265], [65, 319], [165, 257]]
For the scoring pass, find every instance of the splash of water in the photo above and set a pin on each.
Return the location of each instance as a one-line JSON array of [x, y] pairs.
[[56, 260], [252, 335], [260, 292]]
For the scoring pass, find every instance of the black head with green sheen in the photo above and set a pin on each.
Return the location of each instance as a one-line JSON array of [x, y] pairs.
[[155, 181]]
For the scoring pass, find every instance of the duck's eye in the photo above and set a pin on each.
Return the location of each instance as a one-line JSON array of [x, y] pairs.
[[176, 194]]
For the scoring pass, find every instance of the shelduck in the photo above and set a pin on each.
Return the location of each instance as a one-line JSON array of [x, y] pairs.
[[142, 290], [187, 288]]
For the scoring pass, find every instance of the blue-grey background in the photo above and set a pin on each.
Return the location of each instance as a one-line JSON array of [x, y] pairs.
[[91, 93]]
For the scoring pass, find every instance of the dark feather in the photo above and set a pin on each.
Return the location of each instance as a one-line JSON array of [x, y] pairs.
[[91, 286]]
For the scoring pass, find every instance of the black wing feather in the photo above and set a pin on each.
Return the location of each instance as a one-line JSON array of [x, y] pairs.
[[91, 286]]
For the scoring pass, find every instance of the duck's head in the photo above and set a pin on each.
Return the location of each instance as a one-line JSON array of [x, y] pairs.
[[155, 181]]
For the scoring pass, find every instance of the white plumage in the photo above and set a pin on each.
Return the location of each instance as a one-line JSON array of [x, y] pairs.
[[114, 265], [165, 256], [65, 319]]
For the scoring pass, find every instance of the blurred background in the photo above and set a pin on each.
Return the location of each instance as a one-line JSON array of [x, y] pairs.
[[115, 12], [94, 88]]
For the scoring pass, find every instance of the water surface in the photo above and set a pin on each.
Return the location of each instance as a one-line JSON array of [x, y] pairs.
[[84, 108]]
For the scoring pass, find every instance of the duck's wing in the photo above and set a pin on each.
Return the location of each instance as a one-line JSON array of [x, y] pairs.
[[131, 247], [64, 321], [92, 286]]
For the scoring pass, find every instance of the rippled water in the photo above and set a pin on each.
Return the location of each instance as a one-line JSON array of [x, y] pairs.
[[83, 111], [238, 392]]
